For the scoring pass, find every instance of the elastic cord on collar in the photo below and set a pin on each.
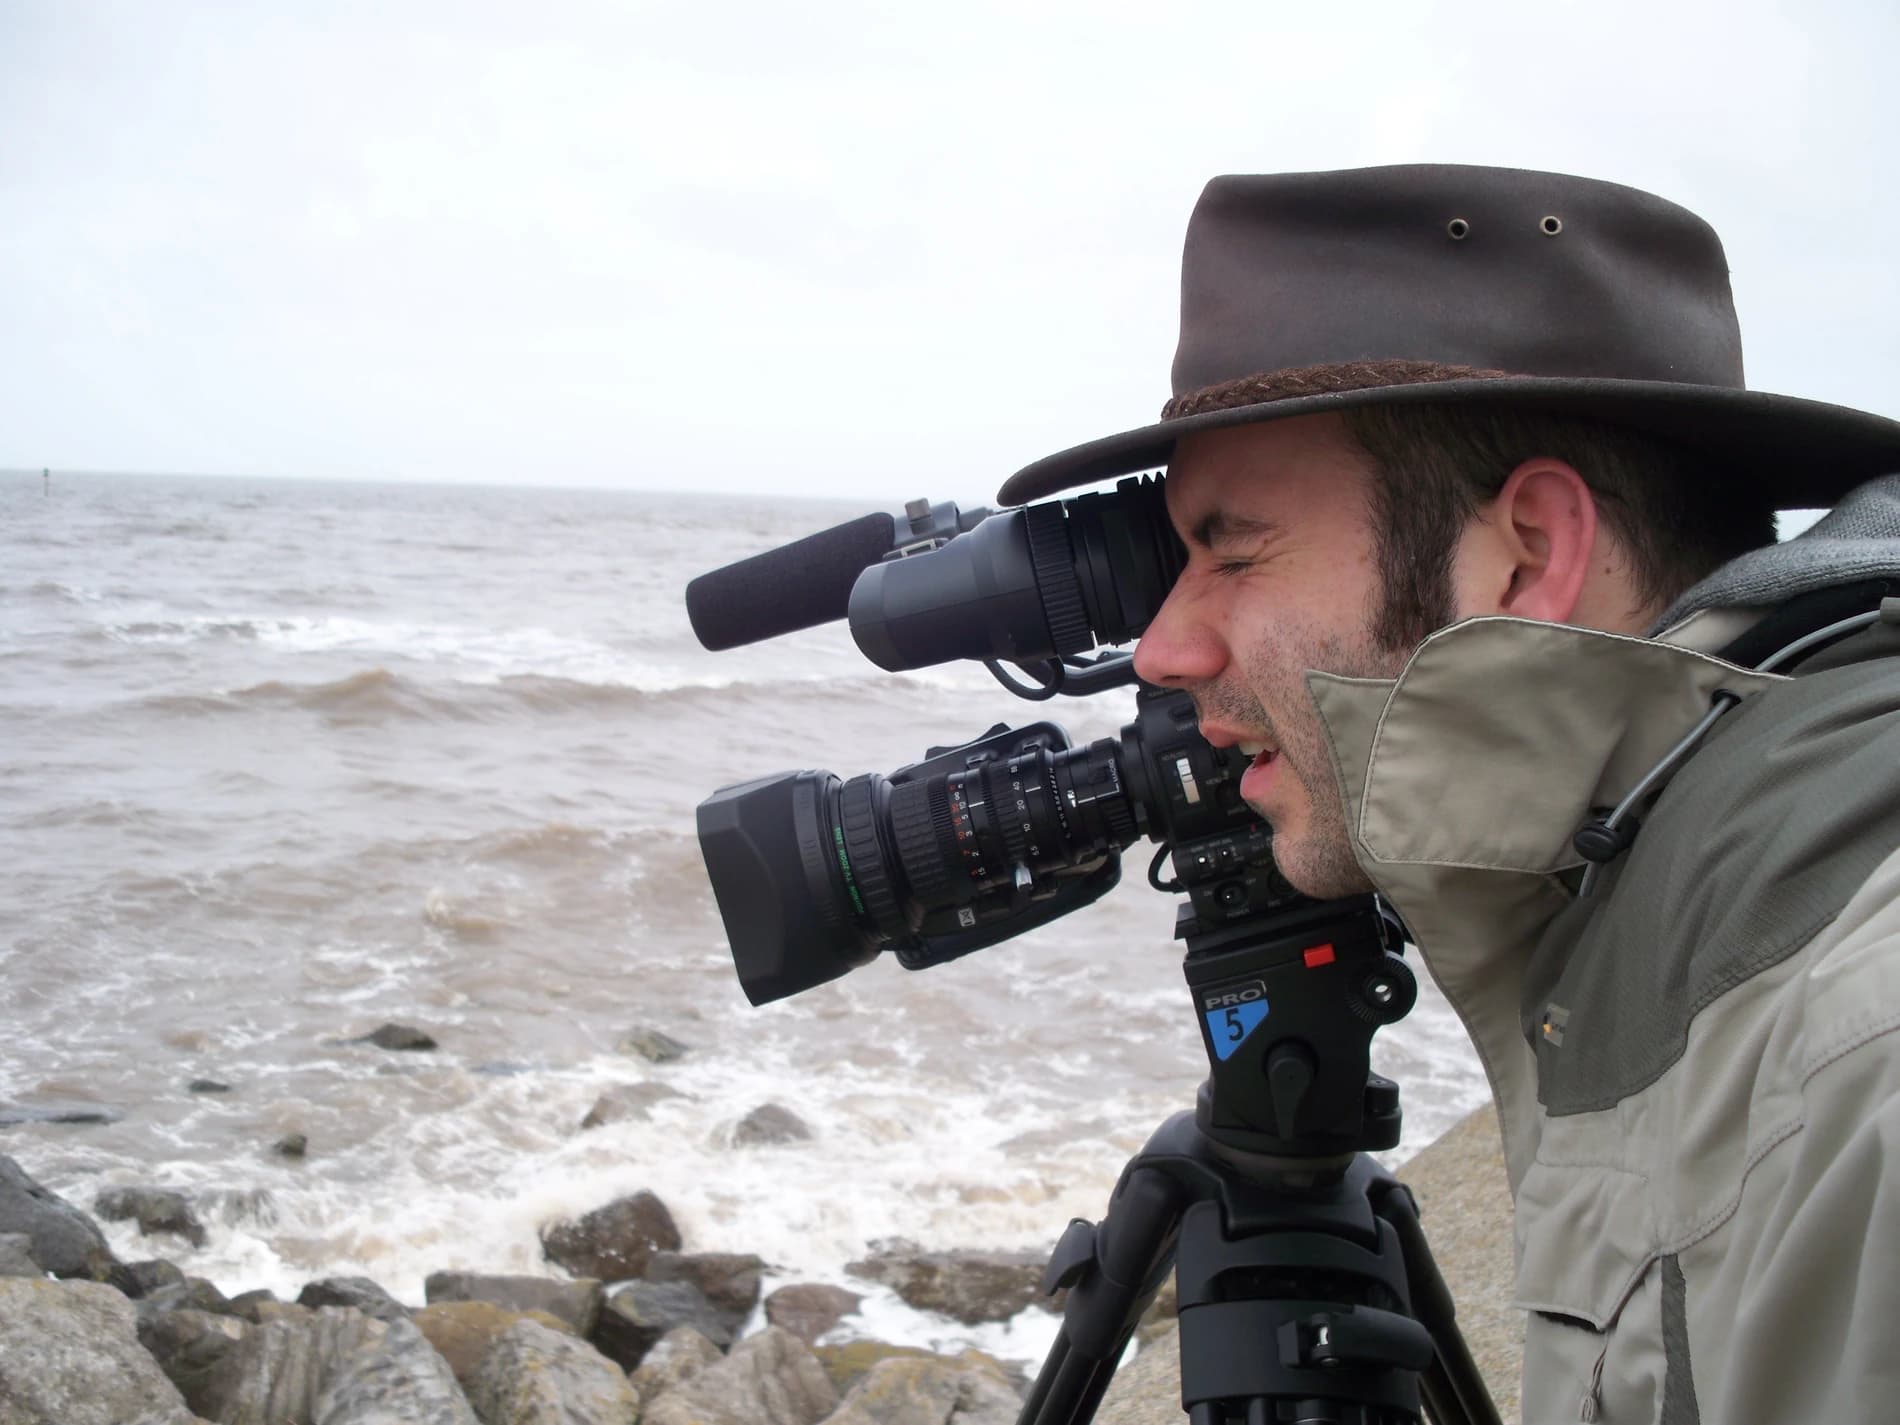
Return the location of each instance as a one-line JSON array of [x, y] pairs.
[[1602, 839]]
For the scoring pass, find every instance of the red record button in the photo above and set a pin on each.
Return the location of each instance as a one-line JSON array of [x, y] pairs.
[[1319, 955]]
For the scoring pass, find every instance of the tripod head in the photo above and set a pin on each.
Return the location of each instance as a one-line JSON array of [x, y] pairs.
[[1287, 1005], [1306, 1291]]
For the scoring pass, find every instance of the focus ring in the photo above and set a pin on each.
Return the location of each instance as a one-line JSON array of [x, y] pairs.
[[926, 854], [1056, 580], [857, 816]]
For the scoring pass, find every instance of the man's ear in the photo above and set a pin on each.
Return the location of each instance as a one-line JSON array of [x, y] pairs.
[[1541, 535]]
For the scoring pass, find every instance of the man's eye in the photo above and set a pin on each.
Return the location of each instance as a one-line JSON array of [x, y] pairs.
[[1230, 567]]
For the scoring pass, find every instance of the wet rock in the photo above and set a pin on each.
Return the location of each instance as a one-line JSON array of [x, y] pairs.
[[140, 1279], [16, 1256], [155, 1210], [360, 1293], [186, 1294], [767, 1124], [534, 1376], [852, 1361], [576, 1302], [637, 1316], [65, 1241], [291, 1145], [69, 1355], [624, 1101], [615, 1242], [405, 1037], [769, 1379], [809, 1309], [653, 1046], [195, 1350], [931, 1390], [253, 1305], [676, 1358], [12, 1115], [463, 1331], [329, 1367], [729, 1280], [207, 1086], [971, 1287]]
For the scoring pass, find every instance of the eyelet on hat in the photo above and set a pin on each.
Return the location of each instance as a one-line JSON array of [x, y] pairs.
[[1457, 229], [1552, 225]]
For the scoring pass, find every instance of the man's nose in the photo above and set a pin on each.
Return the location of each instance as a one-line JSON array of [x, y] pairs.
[[1177, 649]]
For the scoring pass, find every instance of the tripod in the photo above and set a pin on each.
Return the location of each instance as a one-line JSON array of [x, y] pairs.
[[1308, 1295]]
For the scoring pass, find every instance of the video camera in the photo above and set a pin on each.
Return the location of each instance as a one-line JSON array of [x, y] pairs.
[[983, 841]]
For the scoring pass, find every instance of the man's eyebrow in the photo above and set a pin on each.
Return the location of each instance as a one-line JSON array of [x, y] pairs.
[[1224, 527]]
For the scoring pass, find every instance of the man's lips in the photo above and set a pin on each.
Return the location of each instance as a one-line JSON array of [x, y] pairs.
[[1260, 773]]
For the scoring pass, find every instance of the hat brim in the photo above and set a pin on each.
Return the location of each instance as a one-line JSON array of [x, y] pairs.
[[1795, 453]]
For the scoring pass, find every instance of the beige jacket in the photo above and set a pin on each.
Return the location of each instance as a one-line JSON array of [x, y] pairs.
[[1697, 1072]]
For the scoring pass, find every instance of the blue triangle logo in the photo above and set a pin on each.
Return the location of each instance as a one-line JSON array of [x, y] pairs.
[[1228, 1028]]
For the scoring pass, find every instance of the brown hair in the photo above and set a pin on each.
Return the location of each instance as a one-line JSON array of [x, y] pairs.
[[1433, 466]]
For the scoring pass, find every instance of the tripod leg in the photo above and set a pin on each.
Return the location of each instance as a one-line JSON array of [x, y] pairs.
[[1452, 1387], [1112, 1271]]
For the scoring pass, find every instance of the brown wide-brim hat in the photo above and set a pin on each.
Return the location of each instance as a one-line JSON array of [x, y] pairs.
[[1445, 284]]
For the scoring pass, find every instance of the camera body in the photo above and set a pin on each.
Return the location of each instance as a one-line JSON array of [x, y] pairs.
[[976, 844]]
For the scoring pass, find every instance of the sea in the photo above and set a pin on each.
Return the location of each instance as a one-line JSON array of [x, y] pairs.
[[283, 761]]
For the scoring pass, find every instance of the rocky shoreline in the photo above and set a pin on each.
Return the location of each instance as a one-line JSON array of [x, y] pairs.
[[637, 1330]]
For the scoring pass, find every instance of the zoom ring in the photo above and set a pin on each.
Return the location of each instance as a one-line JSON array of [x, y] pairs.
[[857, 813], [1056, 581], [926, 852]]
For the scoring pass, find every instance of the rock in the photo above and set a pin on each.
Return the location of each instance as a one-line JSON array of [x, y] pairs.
[[195, 1350], [141, 1279], [334, 1366], [207, 1086], [69, 1355], [615, 1242], [729, 1280], [676, 1358], [653, 1046], [253, 1305], [534, 1376], [852, 1361], [12, 1115], [932, 1390], [291, 1145], [154, 1209], [809, 1309], [625, 1101], [358, 1292], [463, 1331], [186, 1294], [769, 1379], [65, 1241], [576, 1302], [767, 1124], [637, 1316], [971, 1287], [16, 1256], [397, 1036]]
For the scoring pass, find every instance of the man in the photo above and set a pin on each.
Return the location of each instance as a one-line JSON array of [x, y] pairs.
[[1480, 569]]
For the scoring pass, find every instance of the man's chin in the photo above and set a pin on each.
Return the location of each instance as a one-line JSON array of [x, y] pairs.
[[1325, 873]]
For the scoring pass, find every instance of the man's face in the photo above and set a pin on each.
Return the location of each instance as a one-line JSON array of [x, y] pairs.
[[1280, 578]]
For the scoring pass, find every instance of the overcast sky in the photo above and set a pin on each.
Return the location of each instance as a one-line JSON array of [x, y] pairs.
[[854, 249]]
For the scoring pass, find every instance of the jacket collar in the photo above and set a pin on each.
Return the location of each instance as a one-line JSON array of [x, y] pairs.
[[1465, 778]]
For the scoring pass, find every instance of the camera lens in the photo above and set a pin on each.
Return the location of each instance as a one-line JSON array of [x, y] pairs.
[[814, 876]]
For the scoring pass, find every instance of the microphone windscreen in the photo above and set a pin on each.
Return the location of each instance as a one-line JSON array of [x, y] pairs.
[[795, 586]]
